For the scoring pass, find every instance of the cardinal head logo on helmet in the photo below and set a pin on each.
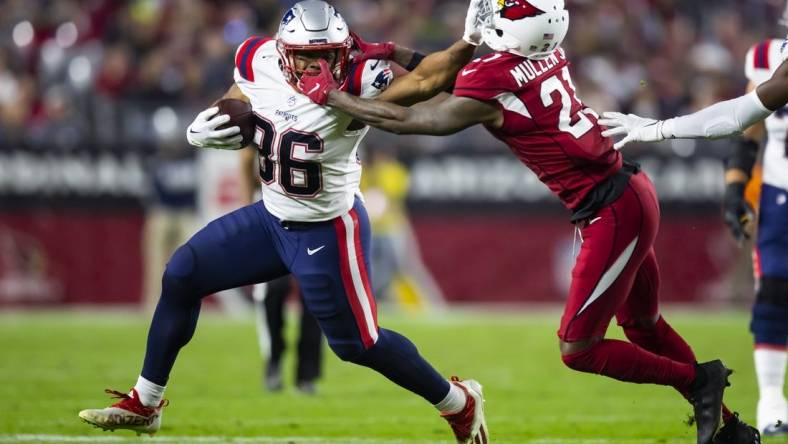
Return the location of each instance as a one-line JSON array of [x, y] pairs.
[[517, 9]]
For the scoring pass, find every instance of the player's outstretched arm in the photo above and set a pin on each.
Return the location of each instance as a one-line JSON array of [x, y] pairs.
[[436, 72], [446, 117], [722, 119]]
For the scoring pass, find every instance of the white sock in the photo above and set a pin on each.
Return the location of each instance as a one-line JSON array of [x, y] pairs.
[[770, 369], [150, 393], [453, 402]]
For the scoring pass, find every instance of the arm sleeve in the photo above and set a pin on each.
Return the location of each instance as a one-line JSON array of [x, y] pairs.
[[719, 120]]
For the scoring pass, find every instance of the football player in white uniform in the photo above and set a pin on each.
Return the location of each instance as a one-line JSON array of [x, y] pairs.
[[762, 110], [311, 222], [770, 311]]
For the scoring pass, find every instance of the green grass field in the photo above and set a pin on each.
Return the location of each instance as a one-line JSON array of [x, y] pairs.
[[53, 365]]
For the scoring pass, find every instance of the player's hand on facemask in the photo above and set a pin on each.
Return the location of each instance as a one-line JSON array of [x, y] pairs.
[[204, 132], [317, 86], [364, 50], [476, 20], [635, 128], [738, 214]]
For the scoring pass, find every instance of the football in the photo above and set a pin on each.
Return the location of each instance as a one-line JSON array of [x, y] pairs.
[[241, 115]]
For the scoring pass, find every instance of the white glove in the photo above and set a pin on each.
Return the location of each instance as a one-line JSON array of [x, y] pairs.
[[203, 133], [478, 18], [636, 128]]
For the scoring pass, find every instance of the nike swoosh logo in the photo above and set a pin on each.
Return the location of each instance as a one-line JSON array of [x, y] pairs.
[[310, 251], [494, 57], [372, 68], [595, 220], [193, 131], [465, 72], [314, 89]]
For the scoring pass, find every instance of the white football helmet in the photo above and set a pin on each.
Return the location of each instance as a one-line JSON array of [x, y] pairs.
[[529, 28], [313, 25]]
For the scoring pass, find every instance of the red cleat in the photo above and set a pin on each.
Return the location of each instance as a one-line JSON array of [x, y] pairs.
[[468, 424], [128, 413]]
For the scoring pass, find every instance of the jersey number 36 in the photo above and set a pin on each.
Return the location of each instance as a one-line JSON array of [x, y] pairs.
[[297, 177]]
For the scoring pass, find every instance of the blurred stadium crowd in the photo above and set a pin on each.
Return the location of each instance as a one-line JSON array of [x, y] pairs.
[[131, 74], [95, 97]]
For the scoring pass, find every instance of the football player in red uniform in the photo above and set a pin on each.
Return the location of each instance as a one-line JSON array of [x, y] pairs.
[[524, 95]]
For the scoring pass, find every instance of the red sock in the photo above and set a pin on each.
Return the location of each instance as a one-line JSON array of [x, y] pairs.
[[664, 341], [627, 362]]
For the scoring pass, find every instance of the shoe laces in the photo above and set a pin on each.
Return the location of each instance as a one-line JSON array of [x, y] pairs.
[[133, 404]]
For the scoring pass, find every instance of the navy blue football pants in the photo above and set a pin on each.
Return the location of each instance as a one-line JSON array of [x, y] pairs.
[[769, 324], [329, 260]]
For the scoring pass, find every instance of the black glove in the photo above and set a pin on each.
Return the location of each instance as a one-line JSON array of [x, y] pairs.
[[737, 212]]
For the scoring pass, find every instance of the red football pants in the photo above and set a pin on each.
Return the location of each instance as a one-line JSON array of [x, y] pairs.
[[616, 272]]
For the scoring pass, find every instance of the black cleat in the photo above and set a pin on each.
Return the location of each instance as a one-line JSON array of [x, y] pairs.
[[272, 379], [736, 431], [706, 397], [306, 387]]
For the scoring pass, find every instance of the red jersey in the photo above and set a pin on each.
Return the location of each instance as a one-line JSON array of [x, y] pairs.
[[546, 126]]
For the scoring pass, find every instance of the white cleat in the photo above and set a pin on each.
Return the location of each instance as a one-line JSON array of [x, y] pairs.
[[773, 416], [468, 424], [128, 413]]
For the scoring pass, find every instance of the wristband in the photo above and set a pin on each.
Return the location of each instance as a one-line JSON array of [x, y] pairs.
[[415, 61]]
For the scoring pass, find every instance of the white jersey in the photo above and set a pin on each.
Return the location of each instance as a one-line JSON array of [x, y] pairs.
[[308, 156], [761, 62]]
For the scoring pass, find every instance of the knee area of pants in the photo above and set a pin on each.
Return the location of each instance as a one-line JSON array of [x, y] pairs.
[[181, 264], [180, 269], [576, 355], [773, 292], [643, 324], [577, 360]]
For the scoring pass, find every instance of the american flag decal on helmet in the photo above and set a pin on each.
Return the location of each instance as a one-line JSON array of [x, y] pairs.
[[517, 9], [549, 36]]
